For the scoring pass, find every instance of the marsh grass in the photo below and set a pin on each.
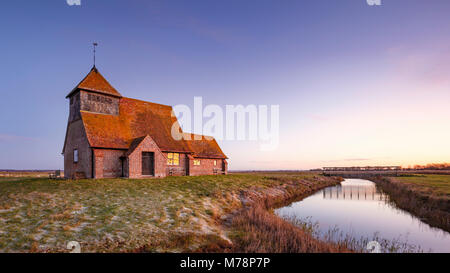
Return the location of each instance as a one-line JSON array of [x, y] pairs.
[[351, 241], [258, 230], [173, 214], [431, 185]]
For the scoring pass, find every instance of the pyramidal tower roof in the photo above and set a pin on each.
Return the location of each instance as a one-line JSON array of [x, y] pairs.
[[95, 82]]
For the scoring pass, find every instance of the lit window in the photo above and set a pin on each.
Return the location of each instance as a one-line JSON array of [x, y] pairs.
[[173, 159], [196, 162], [215, 162], [75, 156]]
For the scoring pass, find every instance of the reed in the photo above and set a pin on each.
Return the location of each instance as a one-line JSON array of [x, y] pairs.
[[430, 204], [259, 230], [348, 240]]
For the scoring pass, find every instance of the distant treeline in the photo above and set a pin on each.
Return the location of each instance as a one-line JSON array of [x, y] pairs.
[[432, 166], [26, 171]]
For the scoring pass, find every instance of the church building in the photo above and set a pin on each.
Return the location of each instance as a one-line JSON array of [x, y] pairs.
[[109, 135]]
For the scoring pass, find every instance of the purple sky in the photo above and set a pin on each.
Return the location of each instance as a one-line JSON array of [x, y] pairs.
[[356, 84]]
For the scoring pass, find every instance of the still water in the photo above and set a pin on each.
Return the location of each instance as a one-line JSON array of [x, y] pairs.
[[358, 208]]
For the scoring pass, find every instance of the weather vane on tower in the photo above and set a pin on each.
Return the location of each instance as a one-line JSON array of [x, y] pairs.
[[95, 45]]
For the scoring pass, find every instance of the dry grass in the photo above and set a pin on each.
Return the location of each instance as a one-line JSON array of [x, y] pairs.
[[258, 230], [173, 214], [17, 174]]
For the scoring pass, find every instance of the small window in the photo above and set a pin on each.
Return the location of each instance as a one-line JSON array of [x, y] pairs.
[[75, 156], [215, 162], [196, 162], [173, 159]]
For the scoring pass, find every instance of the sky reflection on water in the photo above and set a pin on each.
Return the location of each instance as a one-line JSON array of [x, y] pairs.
[[358, 208]]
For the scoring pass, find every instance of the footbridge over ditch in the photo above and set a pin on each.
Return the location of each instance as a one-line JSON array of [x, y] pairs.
[[362, 172]]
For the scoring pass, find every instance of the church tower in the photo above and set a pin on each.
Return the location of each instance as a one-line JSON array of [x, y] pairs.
[[96, 95], [93, 94]]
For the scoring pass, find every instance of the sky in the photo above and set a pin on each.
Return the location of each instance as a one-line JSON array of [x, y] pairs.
[[356, 84]]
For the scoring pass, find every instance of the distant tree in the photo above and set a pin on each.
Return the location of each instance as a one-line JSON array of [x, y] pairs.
[[433, 166]]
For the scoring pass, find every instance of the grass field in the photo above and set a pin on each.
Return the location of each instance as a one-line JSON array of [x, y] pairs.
[[109, 215], [433, 185]]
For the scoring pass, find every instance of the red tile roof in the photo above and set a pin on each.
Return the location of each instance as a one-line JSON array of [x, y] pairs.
[[94, 81], [204, 146], [134, 144], [138, 119]]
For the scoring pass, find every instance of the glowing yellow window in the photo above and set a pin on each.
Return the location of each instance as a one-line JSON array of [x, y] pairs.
[[196, 162], [173, 159], [215, 162]]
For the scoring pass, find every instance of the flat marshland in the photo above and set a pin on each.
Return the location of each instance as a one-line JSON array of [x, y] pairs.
[[25, 173], [172, 214], [430, 185], [426, 196]]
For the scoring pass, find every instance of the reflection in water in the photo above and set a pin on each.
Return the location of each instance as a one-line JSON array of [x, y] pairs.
[[354, 192], [358, 208]]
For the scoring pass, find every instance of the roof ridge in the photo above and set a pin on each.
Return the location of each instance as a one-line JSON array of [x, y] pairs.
[[138, 100]]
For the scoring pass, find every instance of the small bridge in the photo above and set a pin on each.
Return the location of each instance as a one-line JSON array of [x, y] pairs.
[[362, 172]]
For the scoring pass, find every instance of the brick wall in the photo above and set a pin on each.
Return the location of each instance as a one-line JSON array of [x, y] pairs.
[[98, 163], [112, 164], [134, 160], [107, 163], [76, 139], [206, 166], [177, 170], [225, 166]]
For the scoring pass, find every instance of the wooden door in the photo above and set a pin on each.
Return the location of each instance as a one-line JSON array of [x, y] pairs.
[[148, 163]]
